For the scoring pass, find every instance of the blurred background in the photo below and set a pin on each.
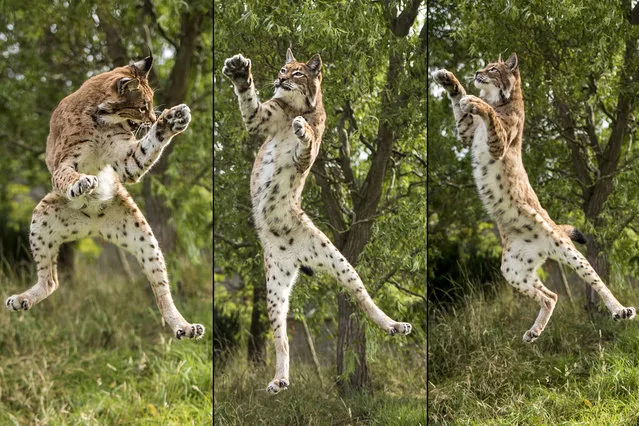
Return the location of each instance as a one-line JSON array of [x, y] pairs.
[[95, 351], [366, 192], [578, 67]]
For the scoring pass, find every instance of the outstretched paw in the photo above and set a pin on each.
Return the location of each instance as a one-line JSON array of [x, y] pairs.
[[18, 303], [624, 313], [531, 335], [401, 328], [277, 385], [191, 331], [449, 82], [176, 119], [237, 68], [299, 126], [83, 186]]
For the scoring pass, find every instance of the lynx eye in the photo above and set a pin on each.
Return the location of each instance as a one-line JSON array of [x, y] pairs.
[[298, 74], [143, 109], [283, 71], [492, 69]]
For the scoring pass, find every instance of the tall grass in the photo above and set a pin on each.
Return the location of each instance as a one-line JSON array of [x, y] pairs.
[[398, 394], [95, 352], [584, 369]]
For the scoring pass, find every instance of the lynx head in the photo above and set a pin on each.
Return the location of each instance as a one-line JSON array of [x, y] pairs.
[[129, 98], [298, 83], [499, 80]]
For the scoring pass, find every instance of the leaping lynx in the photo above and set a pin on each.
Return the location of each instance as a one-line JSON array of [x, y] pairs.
[[91, 151], [293, 122], [494, 125]]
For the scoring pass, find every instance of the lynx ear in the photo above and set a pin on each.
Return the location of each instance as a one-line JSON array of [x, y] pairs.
[[144, 66], [126, 85], [315, 64], [512, 62], [499, 60], [289, 56]]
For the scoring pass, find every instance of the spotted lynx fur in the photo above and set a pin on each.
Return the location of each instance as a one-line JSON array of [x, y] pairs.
[[493, 124], [91, 152], [293, 123]]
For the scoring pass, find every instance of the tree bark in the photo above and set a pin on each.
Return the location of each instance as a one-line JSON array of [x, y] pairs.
[[597, 189], [259, 327], [157, 210], [365, 198]]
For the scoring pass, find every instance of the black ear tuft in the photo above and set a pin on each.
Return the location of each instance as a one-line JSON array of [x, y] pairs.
[[315, 64], [512, 62], [144, 66]]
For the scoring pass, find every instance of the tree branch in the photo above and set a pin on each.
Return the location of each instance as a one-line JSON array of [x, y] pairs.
[[236, 245]]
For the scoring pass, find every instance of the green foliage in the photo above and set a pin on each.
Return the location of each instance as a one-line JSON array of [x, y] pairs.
[[578, 372], [352, 38], [569, 55], [97, 353], [50, 50]]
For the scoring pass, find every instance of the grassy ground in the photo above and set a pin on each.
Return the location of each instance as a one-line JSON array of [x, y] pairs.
[[583, 370], [398, 397], [95, 352]]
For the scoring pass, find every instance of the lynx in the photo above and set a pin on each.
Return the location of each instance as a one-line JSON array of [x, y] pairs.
[[91, 152], [293, 123], [493, 124]]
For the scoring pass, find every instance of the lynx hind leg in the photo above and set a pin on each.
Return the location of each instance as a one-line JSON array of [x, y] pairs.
[[567, 253], [127, 228], [321, 254], [53, 223], [280, 276], [519, 268]]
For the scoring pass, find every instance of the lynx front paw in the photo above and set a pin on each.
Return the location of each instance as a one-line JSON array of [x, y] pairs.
[[83, 186], [237, 68], [624, 313], [176, 119], [277, 385], [401, 328], [449, 82], [18, 303], [299, 126], [191, 331], [471, 104]]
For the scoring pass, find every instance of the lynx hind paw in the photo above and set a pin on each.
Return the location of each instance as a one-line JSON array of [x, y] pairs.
[[276, 386], [191, 331], [83, 186], [237, 67], [401, 328], [299, 126], [17, 303], [624, 313], [178, 118], [531, 335]]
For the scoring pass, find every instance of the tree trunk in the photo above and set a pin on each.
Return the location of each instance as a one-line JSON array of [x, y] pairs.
[[157, 209], [365, 196], [351, 336], [66, 261], [259, 326]]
